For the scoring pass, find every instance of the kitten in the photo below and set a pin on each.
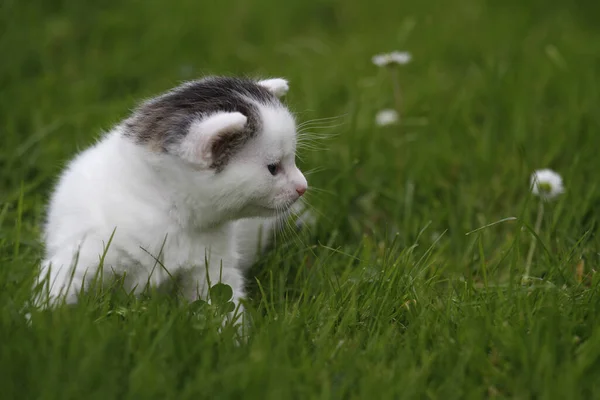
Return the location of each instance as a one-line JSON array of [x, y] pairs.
[[188, 179]]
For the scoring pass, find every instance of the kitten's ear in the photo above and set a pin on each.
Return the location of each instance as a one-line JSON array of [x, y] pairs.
[[205, 137], [278, 86]]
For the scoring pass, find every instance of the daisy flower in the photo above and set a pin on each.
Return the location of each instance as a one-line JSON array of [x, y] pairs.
[[546, 184], [395, 57], [386, 117]]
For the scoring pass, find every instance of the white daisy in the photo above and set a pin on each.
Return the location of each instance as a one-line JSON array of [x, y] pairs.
[[386, 117], [546, 184], [395, 57]]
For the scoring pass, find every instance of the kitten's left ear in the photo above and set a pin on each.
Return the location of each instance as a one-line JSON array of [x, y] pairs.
[[210, 140], [278, 86]]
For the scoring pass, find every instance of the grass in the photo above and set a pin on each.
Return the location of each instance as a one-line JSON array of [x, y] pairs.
[[387, 296]]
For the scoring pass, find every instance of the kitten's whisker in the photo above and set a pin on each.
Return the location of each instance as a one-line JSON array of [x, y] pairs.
[[327, 118], [320, 123], [319, 120], [326, 130], [314, 136], [282, 218], [305, 224], [304, 144], [313, 141], [309, 142], [316, 211], [314, 170], [320, 190], [311, 147], [277, 223], [293, 229], [298, 156], [304, 129], [276, 233]]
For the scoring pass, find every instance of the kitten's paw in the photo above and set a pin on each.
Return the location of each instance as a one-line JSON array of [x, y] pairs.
[[279, 87]]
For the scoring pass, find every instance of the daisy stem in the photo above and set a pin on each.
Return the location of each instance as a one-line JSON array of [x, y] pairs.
[[536, 229], [397, 90]]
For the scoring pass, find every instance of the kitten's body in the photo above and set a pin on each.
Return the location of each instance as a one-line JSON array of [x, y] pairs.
[[178, 187]]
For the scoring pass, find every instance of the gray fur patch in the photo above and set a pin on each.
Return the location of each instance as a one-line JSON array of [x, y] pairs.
[[163, 122]]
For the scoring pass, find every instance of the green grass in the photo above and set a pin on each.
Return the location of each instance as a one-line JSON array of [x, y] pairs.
[[372, 302]]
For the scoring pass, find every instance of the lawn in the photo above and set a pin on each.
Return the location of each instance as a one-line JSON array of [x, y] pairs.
[[410, 284]]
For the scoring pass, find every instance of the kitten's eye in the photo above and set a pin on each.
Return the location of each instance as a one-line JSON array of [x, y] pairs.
[[273, 168]]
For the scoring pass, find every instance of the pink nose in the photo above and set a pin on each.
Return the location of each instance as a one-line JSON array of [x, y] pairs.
[[300, 190]]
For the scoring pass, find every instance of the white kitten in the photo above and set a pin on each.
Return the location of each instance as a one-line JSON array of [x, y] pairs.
[[182, 180]]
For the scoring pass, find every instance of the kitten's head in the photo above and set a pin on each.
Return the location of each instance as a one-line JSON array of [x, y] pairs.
[[230, 138]]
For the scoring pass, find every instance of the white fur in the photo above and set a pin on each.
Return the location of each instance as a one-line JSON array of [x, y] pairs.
[[279, 87], [154, 200]]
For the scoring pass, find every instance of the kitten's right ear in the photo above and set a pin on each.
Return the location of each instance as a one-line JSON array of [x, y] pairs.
[[199, 144], [278, 86]]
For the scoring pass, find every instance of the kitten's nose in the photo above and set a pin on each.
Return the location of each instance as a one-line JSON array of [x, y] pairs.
[[300, 190]]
